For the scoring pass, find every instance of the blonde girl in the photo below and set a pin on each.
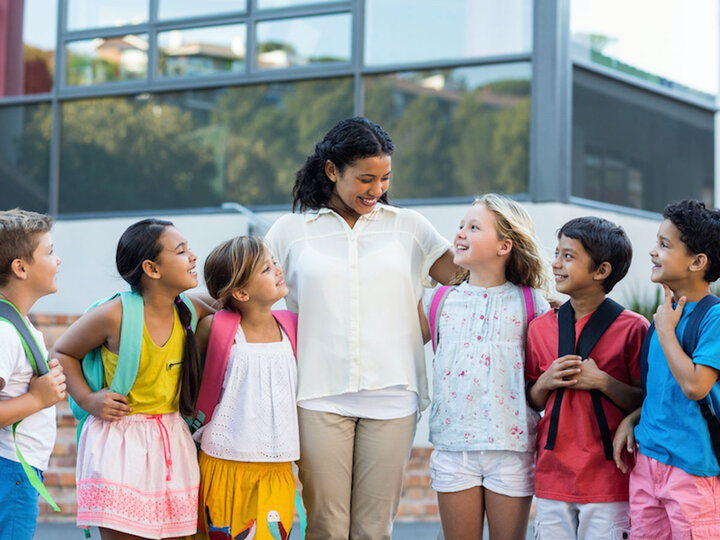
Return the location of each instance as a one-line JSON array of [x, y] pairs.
[[481, 428], [137, 473], [247, 487]]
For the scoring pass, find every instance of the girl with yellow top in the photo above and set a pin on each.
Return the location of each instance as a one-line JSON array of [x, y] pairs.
[[137, 472]]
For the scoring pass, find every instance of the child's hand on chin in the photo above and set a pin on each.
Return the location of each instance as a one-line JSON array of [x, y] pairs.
[[667, 317]]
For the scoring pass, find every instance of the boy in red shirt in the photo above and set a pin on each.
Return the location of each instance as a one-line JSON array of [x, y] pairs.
[[583, 369]]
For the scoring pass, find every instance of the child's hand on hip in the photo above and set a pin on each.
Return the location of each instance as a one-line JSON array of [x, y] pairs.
[[106, 405]]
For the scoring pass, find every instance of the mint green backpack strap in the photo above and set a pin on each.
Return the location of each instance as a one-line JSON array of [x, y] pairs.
[[131, 330], [92, 371], [131, 334], [193, 313], [300, 509]]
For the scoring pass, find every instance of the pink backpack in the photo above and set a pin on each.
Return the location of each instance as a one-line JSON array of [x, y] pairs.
[[439, 299], [222, 334]]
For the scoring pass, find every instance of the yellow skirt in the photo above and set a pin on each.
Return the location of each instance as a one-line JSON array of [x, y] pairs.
[[245, 500]]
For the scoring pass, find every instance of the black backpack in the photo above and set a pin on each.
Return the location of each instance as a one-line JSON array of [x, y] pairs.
[[689, 342], [599, 322]]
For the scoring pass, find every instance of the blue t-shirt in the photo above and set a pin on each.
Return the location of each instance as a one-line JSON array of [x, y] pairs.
[[672, 429]]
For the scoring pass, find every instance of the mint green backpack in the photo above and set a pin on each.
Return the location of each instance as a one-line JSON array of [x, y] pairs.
[[131, 333]]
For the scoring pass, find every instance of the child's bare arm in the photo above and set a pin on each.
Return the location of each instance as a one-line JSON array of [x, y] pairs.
[[624, 440], [44, 392], [204, 304], [695, 380], [424, 326], [97, 327], [443, 269], [625, 396], [202, 334], [560, 374]]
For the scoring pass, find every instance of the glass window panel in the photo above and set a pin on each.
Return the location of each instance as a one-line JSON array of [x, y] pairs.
[[194, 148], [177, 9], [202, 51], [27, 55], [308, 40], [102, 60], [269, 4], [458, 132], [673, 43], [25, 156], [445, 30], [638, 149], [83, 14]]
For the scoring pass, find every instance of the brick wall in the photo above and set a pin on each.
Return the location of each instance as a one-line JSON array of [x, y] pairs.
[[418, 502]]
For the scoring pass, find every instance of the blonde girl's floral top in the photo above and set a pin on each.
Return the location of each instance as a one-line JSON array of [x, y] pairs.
[[478, 400]]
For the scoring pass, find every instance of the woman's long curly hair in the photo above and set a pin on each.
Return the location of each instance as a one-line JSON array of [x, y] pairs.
[[349, 140]]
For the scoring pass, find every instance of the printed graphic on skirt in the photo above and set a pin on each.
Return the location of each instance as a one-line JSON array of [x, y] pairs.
[[223, 533]]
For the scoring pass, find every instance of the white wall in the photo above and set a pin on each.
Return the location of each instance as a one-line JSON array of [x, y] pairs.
[[87, 249], [88, 273]]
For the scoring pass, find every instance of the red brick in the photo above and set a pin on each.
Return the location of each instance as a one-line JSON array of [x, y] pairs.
[[52, 479], [60, 449], [63, 461], [67, 479]]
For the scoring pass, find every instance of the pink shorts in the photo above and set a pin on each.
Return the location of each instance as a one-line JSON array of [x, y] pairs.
[[668, 503]]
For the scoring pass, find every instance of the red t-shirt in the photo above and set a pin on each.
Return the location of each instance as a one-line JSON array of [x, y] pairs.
[[576, 469]]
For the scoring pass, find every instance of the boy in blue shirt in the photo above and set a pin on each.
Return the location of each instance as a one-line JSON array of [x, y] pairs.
[[28, 271], [674, 486]]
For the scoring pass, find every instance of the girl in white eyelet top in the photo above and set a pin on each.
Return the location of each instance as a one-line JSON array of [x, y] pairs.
[[481, 426], [248, 446]]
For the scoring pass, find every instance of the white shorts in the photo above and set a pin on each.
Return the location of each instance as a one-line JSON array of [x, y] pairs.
[[586, 521], [501, 471]]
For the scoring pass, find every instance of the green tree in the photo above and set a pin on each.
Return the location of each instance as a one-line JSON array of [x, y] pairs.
[[126, 154]]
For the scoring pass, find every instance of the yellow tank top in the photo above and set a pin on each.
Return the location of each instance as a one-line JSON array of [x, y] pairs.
[[156, 389]]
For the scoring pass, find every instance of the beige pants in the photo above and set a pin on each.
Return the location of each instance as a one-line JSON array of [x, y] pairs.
[[351, 470]]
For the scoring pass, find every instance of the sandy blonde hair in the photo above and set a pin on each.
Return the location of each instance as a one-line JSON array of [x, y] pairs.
[[526, 266], [20, 232], [231, 265]]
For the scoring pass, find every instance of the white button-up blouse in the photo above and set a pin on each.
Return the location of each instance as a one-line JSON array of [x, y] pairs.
[[356, 292]]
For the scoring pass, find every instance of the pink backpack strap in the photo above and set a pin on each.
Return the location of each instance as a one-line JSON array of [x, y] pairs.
[[529, 303], [288, 322], [438, 300], [222, 334]]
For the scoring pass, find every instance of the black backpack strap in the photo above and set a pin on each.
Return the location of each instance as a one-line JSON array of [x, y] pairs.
[[644, 358], [599, 322], [713, 426], [691, 335], [566, 345], [692, 328], [9, 313]]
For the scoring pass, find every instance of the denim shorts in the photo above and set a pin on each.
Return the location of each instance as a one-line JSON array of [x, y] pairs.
[[18, 502]]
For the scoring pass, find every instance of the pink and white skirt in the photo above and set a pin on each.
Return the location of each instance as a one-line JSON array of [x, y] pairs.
[[138, 475]]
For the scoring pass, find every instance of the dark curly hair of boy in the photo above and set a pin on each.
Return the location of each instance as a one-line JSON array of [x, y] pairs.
[[699, 228]]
